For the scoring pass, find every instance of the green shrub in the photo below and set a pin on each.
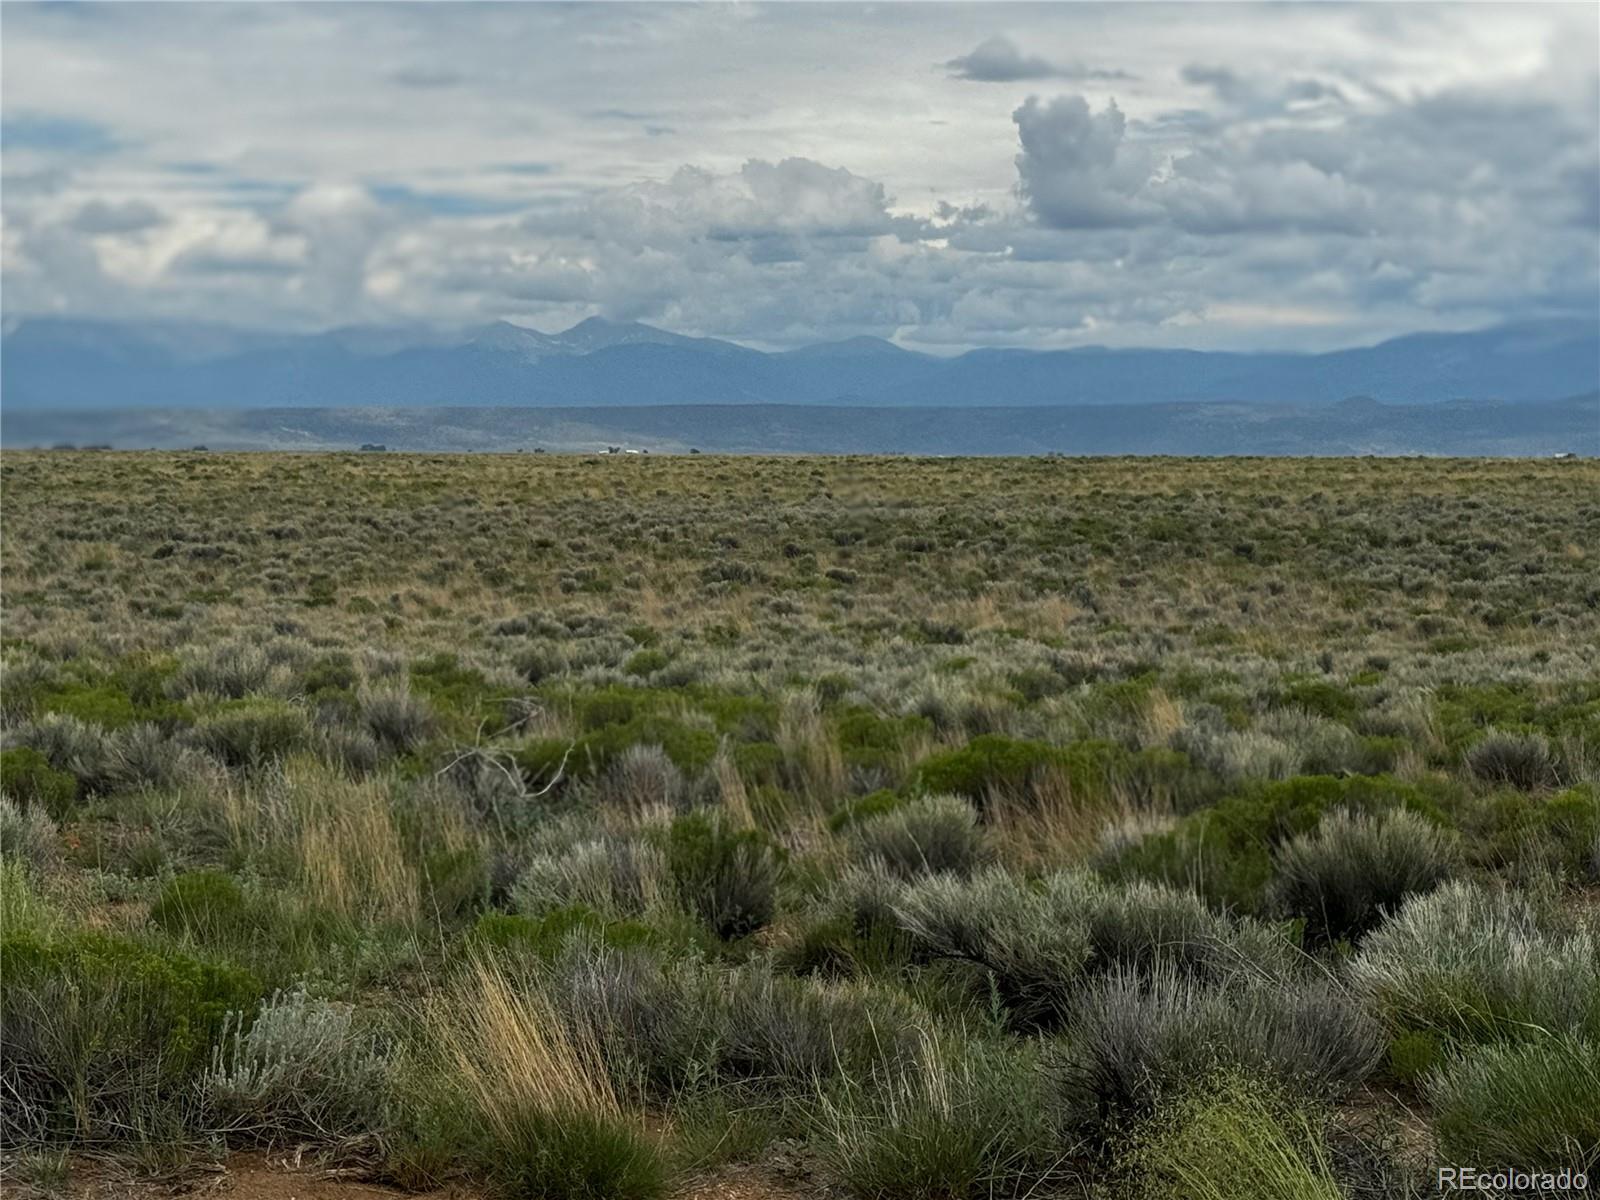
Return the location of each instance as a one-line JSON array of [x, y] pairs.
[[986, 765], [727, 877], [863, 808], [1558, 833], [1226, 852], [1342, 877], [1530, 1106], [28, 778], [928, 835], [690, 749], [542, 1155], [1230, 1142], [868, 740], [207, 906], [103, 1034], [1413, 1054], [1473, 964], [645, 662], [1322, 698], [849, 930], [547, 935]]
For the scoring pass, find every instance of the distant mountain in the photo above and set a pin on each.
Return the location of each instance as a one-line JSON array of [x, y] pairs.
[[59, 363]]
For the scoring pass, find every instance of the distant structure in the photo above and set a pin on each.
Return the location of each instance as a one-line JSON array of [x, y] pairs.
[[373, 446], [1564, 456]]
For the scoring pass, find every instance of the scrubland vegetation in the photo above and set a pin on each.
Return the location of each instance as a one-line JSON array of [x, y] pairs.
[[567, 827]]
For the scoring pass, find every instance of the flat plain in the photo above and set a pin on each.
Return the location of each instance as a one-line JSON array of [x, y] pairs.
[[588, 826]]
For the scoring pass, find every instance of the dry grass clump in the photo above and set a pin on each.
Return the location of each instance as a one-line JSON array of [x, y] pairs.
[[553, 1126]]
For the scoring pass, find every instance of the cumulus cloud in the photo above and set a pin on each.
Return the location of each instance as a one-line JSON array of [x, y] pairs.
[[1076, 170], [1001, 60]]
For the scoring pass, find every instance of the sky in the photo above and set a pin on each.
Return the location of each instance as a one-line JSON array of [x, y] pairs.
[[1286, 176]]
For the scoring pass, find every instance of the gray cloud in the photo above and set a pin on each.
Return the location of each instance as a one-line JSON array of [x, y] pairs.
[[416, 76], [1076, 170], [1001, 60], [819, 183], [130, 216]]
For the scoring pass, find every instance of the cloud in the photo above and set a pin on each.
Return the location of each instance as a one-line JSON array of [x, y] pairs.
[[427, 78], [1000, 60], [311, 166], [1075, 170], [1260, 96], [130, 216]]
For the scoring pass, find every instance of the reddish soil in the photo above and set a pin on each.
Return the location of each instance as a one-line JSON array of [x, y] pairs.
[[279, 1177]]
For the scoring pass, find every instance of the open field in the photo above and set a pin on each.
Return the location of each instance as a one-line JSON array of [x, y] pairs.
[[1355, 427], [625, 827]]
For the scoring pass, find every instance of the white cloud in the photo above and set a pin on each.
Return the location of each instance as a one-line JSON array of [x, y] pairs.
[[759, 172]]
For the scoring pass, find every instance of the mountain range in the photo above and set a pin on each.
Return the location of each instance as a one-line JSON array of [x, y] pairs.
[[62, 364]]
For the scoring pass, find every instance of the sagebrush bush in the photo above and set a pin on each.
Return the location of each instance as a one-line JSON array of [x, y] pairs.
[[655, 1023], [230, 671], [929, 835], [253, 733], [641, 778], [70, 746], [727, 877], [1522, 760], [28, 837], [399, 720], [1143, 925], [1138, 1037], [619, 877], [1225, 852], [786, 1034], [1474, 963], [299, 1069], [1528, 1105], [1040, 944], [1343, 876], [1033, 945]]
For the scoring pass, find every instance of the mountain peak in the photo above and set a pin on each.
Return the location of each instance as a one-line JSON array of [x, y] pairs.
[[597, 333], [863, 346]]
